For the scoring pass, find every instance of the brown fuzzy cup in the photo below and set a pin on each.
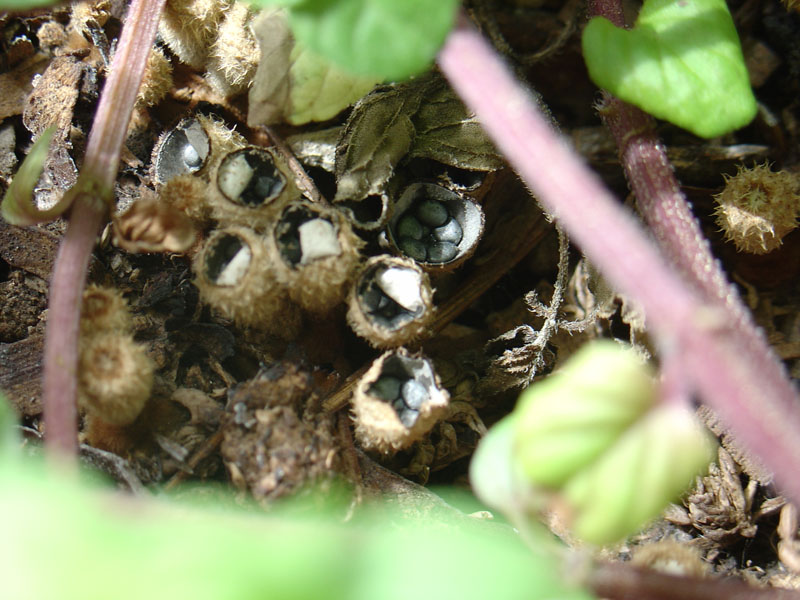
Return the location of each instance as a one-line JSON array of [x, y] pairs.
[[391, 302], [397, 401], [236, 277], [315, 254]]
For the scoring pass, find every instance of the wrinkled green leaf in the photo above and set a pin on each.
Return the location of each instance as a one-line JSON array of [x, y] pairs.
[[420, 118], [682, 62], [447, 133], [377, 135], [388, 39], [18, 207]]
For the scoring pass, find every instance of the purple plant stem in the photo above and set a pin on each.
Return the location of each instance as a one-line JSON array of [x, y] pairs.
[[92, 194], [666, 210], [619, 581], [727, 377]]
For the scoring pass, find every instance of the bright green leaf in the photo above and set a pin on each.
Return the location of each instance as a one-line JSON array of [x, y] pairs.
[[18, 207], [320, 90], [682, 62], [389, 39]]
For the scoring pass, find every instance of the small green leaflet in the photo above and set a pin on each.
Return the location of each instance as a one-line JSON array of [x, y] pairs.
[[18, 207], [681, 62], [389, 39]]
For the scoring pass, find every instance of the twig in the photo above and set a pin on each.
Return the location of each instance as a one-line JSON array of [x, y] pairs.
[[92, 194], [763, 412], [617, 581]]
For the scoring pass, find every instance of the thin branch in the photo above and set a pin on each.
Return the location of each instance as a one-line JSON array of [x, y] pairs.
[[618, 581], [92, 192], [719, 365]]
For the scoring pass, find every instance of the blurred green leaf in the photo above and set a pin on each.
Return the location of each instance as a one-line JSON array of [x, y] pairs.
[[682, 62], [25, 4], [63, 541], [388, 39]]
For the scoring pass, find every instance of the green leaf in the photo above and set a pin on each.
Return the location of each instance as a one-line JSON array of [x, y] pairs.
[[67, 542], [648, 467], [319, 89], [25, 4], [389, 39], [567, 421], [18, 207], [682, 62]]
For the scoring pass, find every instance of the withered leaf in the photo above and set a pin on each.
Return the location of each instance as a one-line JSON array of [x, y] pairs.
[[269, 93], [53, 99], [17, 84], [151, 226], [377, 135], [447, 133], [419, 118]]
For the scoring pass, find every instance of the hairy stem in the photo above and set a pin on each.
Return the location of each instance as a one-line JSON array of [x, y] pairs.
[[92, 193], [666, 210], [759, 412]]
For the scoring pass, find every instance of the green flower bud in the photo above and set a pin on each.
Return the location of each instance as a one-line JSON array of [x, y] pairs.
[[648, 467], [567, 421]]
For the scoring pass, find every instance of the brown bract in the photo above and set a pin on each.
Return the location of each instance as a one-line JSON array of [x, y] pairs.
[[153, 226]]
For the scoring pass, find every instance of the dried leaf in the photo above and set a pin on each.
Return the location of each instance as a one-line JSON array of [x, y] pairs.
[[447, 133], [17, 84], [269, 94], [151, 226], [421, 118]]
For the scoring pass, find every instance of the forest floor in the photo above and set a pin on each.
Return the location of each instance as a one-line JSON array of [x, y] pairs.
[[267, 409]]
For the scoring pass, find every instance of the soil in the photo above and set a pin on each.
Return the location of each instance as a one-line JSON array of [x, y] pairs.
[[265, 409]]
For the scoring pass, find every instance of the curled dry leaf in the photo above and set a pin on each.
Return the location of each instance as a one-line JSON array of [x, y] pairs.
[[420, 118], [448, 133], [151, 226]]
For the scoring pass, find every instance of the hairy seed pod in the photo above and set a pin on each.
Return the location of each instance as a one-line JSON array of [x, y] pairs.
[[391, 302], [187, 194], [191, 147], [250, 186], [234, 55], [104, 309], [436, 227], [315, 254], [157, 79], [236, 277], [397, 401], [757, 208], [189, 27], [115, 377]]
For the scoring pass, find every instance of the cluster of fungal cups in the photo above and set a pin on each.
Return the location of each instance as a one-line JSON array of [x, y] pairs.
[[272, 255]]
